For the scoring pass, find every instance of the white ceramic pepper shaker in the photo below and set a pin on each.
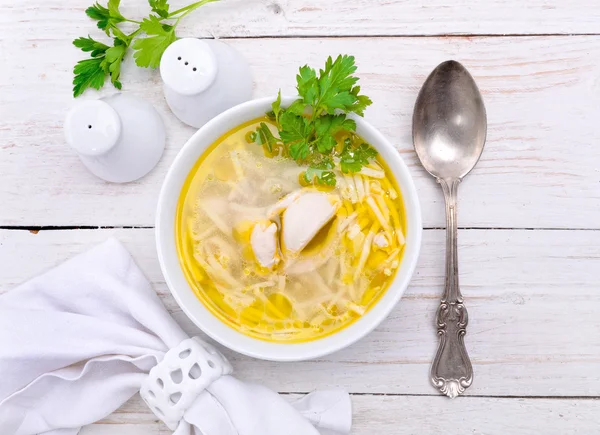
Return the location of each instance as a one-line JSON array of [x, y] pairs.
[[118, 138], [202, 78]]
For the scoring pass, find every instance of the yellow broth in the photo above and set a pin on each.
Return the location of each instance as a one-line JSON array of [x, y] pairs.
[[227, 193]]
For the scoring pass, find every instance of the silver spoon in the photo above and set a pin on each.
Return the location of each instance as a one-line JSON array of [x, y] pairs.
[[449, 130]]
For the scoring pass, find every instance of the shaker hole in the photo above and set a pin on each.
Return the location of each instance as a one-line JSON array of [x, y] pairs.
[[194, 69]]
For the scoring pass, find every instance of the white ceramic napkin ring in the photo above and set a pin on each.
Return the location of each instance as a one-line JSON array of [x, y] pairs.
[[187, 370]]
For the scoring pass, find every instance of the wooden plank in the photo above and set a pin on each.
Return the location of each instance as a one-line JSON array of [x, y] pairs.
[[401, 415], [540, 167], [531, 296], [252, 18]]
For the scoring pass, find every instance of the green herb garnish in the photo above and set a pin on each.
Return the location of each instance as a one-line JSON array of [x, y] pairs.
[[105, 60], [265, 137], [353, 159], [315, 130], [320, 173]]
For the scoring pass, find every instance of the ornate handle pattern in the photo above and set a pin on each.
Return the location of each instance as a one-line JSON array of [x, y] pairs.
[[451, 371]]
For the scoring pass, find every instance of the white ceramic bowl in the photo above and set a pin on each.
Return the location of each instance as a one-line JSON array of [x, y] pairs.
[[215, 328]]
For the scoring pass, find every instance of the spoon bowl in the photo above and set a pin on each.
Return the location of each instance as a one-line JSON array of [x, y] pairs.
[[449, 122]]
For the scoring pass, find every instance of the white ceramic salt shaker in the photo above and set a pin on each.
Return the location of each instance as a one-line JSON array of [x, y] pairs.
[[119, 138], [202, 78]]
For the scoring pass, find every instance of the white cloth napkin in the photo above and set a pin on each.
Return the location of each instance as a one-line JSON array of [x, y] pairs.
[[77, 342]]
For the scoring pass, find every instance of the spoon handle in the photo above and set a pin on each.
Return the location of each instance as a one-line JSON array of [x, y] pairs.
[[451, 371]]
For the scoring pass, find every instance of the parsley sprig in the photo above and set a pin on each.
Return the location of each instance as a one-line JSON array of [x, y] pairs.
[[105, 60], [315, 129]]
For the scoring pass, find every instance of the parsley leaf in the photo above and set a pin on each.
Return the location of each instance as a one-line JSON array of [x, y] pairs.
[[89, 73], [335, 84], [276, 106], [327, 126], [325, 143], [297, 107], [333, 89], [294, 133], [114, 57], [353, 159], [315, 127], [107, 17], [149, 50], [105, 60], [89, 44], [333, 124], [265, 137], [321, 173], [362, 102], [161, 7], [308, 85]]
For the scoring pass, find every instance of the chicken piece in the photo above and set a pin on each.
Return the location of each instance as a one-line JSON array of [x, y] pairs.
[[310, 260], [283, 203], [304, 217], [263, 241]]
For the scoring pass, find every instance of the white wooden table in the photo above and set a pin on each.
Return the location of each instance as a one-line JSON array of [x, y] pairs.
[[529, 213]]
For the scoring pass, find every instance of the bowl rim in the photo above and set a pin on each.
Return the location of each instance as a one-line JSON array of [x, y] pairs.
[[219, 330]]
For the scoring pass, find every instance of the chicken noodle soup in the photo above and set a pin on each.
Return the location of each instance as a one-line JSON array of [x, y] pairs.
[[277, 258]]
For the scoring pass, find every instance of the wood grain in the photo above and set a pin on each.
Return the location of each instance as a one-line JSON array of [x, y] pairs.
[[401, 415], [540, 168], [259, 18], [531, 296]]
